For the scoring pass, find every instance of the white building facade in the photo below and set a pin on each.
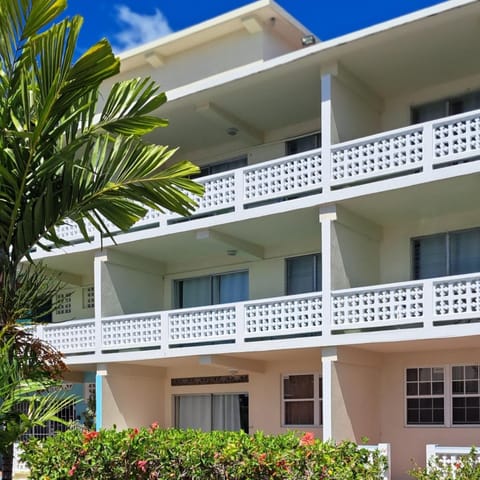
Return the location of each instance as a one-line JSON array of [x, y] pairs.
[[329, 280]]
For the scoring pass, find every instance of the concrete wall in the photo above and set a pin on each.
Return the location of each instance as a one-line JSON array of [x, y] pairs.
[[395, 248], [353, 116], [126, 290], [132, 397], [355, 251], [78, 309], [408, 442]]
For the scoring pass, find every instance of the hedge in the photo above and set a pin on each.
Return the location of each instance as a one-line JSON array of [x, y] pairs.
[[154, 453]]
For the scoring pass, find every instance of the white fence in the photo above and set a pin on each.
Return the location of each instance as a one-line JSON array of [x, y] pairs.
[[447, 457]]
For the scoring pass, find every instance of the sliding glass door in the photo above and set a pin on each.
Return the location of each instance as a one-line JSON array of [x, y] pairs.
[[212, 412]]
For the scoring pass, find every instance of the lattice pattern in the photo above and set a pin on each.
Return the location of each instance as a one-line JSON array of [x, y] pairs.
[[457, 297], [132, 332], [71, 338], [283, 178], [376, 307], [202, 325], [64, 303], [88, 294], [70, 231], [219, 194], [284, 317], [385, 156], [455, 138]]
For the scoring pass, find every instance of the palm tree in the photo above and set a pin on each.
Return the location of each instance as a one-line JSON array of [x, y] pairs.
[[65, 158], [61, 156]]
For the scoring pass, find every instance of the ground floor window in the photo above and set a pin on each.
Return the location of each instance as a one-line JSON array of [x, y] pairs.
[[302, 400], [446, 395], [212, 412]]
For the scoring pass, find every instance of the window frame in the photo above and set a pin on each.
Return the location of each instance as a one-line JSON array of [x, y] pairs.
[[447, 262], [205, 170], [318, 140], [213, 283], [447, 395], [317, 275], [317, 400]]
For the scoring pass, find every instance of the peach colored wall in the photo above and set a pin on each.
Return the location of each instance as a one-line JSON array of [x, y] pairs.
[[355, 396], [409, 442], [132, 399], [263, 389]]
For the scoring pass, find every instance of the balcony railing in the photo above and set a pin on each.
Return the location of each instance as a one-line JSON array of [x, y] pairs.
[[415, 149], [423, 305]]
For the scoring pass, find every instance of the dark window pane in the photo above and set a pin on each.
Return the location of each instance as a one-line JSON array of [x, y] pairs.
[[429, 111], [303, 274], [298, 386], [299, 413], [471, 372], [429, 257], [412, 389], [464, 252], [425, 388], [302, 144], [457, 387], [425, 374], [437, 388], [412, 374], [457, 373], [471, 386], [437, 373]]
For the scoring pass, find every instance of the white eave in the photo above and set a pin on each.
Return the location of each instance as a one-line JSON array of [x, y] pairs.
[[262, 11]]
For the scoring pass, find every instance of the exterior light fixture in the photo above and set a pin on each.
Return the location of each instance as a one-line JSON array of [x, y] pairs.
[[308, 40]]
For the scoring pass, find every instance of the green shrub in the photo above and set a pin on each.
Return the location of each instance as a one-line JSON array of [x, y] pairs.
[[192, 455], [466, 467]]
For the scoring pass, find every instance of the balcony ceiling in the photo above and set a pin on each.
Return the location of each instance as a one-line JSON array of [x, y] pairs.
[[442, 198], [396, 62]]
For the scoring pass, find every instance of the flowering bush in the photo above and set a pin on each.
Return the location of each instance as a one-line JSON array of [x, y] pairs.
[[466, 467], [153, 453]]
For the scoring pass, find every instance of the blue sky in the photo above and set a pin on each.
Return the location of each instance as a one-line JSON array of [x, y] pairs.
[[127, 23]]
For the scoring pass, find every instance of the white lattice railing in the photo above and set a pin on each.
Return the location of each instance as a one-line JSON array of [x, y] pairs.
[[132, 331], [447, 457], [456, 138], [283, 177], [76, 336], [381, 155], [296, 315], [378, 306], [199, 325], [456, 297]]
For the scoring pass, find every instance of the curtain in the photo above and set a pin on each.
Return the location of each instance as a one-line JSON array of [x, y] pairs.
[[231, 287], [304, 274], [430, 257], [226, 412], [195, 292], [465, 252]]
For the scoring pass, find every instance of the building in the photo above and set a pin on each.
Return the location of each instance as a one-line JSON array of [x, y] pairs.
[[329, 280]]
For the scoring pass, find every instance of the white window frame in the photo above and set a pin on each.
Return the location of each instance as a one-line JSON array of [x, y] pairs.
[[447, 395], [317, 400]]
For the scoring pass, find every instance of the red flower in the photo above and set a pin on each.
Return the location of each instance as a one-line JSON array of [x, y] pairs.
[[307, 439], [134, 433], [87, 436], [458, 465], [142, 465], [262, 457], [154, 425]]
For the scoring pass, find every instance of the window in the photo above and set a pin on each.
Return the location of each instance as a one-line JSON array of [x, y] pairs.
[[212, 412], [211, 290], [223, 166], [304, 274], [425, 396], [466, 395], [443, 395], [64, 303], [446, 106], [451, 253], [303, 144], [302, 400], [88, 294]]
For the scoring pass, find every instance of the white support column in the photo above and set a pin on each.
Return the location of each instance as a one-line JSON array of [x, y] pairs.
[[428, 148], [326, 127], [329, 356], [100, 257], [328, 214]]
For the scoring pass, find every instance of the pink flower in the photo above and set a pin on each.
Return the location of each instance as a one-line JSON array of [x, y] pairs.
[[142, 465], [307, 439], [154, 425], [72, 471]]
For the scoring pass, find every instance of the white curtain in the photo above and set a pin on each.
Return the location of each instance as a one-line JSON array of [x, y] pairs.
[[196, 292], [208, 412]]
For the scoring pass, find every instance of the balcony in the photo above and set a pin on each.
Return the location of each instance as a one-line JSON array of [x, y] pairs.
[[409, 310], [412, 154]]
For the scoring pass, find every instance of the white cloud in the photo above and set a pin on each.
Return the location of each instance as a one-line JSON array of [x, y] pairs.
[[139, 28]]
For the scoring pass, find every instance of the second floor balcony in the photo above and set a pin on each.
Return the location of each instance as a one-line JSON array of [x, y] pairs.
[[420, 309]]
